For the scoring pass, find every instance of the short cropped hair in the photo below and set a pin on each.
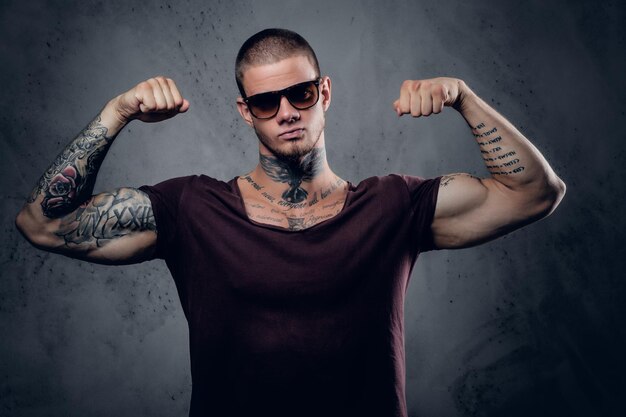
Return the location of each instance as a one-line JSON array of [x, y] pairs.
[[268, 47]]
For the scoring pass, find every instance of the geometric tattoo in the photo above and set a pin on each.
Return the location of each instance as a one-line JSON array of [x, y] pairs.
[[107, 216], [70, 179]]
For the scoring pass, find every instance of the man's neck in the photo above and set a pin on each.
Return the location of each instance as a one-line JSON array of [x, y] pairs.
[[294, 182]]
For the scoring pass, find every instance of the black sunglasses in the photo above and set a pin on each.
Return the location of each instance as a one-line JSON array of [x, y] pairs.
[[301, 96]]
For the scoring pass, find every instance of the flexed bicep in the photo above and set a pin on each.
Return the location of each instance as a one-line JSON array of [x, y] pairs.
[[472, 210], [106, 217], [112, 227], [116, 227]]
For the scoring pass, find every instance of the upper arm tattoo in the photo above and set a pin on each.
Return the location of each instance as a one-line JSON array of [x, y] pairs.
[[107, 216], [447, 179]]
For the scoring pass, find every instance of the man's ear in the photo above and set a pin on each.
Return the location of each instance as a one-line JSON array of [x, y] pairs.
[[244, 111], [325, 92]]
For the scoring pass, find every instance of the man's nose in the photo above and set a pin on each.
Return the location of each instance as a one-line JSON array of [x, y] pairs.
[[286, 112]]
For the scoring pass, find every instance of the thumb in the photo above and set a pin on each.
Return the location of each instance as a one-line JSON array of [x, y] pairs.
[[185, 106], [396, 107]]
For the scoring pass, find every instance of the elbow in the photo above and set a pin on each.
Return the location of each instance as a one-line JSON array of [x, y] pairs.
[[553, 194], [561, 189], [32, 231], [25, 226], [21, 222]]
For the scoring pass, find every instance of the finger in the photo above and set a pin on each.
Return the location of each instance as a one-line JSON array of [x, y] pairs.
[[416, 100], [159, 98], [404, 102], [167, 93], [178, 98], [439, 97], [396, 107], [185, 106], [145, 97], [426, 100]]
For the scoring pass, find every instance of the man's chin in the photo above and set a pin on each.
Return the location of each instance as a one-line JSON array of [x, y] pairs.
[[294, 155], [291, 151]]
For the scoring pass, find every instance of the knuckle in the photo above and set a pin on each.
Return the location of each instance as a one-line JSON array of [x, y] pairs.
[[409, 84], [438, 90], [144, 85]]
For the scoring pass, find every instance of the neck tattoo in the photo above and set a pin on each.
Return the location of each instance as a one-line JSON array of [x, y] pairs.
[[294, 172], [324, 193]]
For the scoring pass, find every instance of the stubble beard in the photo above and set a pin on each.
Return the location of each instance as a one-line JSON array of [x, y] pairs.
[[295, 151]]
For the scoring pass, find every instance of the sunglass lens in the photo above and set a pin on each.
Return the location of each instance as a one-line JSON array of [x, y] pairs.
[[264, 105], [303, 96]]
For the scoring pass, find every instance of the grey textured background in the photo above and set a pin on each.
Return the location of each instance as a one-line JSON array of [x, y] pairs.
[[530, 324]]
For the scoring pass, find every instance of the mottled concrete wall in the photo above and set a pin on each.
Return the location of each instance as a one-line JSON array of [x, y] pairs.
[[531, 324]]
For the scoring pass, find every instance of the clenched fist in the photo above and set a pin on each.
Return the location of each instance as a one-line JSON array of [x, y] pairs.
[[152, 100], [424, 97]]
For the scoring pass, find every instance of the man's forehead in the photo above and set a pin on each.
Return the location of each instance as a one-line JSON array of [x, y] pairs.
[[278, 75]]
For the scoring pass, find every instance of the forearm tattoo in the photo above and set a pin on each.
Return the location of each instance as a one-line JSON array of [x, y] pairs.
[[70, 179], [294, 173], [107, 216], [500, 160]]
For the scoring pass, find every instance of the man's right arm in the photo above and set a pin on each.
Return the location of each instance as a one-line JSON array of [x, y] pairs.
[[116, 227]]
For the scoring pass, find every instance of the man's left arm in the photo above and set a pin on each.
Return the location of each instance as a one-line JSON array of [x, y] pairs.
[[521, 189]]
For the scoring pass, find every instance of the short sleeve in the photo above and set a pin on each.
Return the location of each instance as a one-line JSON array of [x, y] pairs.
[[423, 199], [165, 198]]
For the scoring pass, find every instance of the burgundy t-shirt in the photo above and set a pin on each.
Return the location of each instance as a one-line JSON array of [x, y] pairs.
[[295, 323]]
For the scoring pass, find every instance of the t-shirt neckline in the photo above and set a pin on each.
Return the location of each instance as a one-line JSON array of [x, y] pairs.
[[234, 185]]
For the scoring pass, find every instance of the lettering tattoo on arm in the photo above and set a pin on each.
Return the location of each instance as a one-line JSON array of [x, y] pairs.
[[107, 216], [70, 179], [499, 158]]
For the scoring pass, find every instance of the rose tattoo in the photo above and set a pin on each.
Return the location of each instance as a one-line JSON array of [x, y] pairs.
[[61, 192]]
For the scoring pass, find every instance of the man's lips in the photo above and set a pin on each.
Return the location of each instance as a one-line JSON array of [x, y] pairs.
[[292, 133]]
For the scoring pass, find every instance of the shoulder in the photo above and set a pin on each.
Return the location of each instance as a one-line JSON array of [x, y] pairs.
[[387, 192], [380, 182], [397, 182], [171, 184], [179, 185], [406, 190]]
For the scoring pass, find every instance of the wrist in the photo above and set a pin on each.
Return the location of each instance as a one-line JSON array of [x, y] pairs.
[[465, 98], [112, 118]]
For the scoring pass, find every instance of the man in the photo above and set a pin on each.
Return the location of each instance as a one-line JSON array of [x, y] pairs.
[[292, 279]]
